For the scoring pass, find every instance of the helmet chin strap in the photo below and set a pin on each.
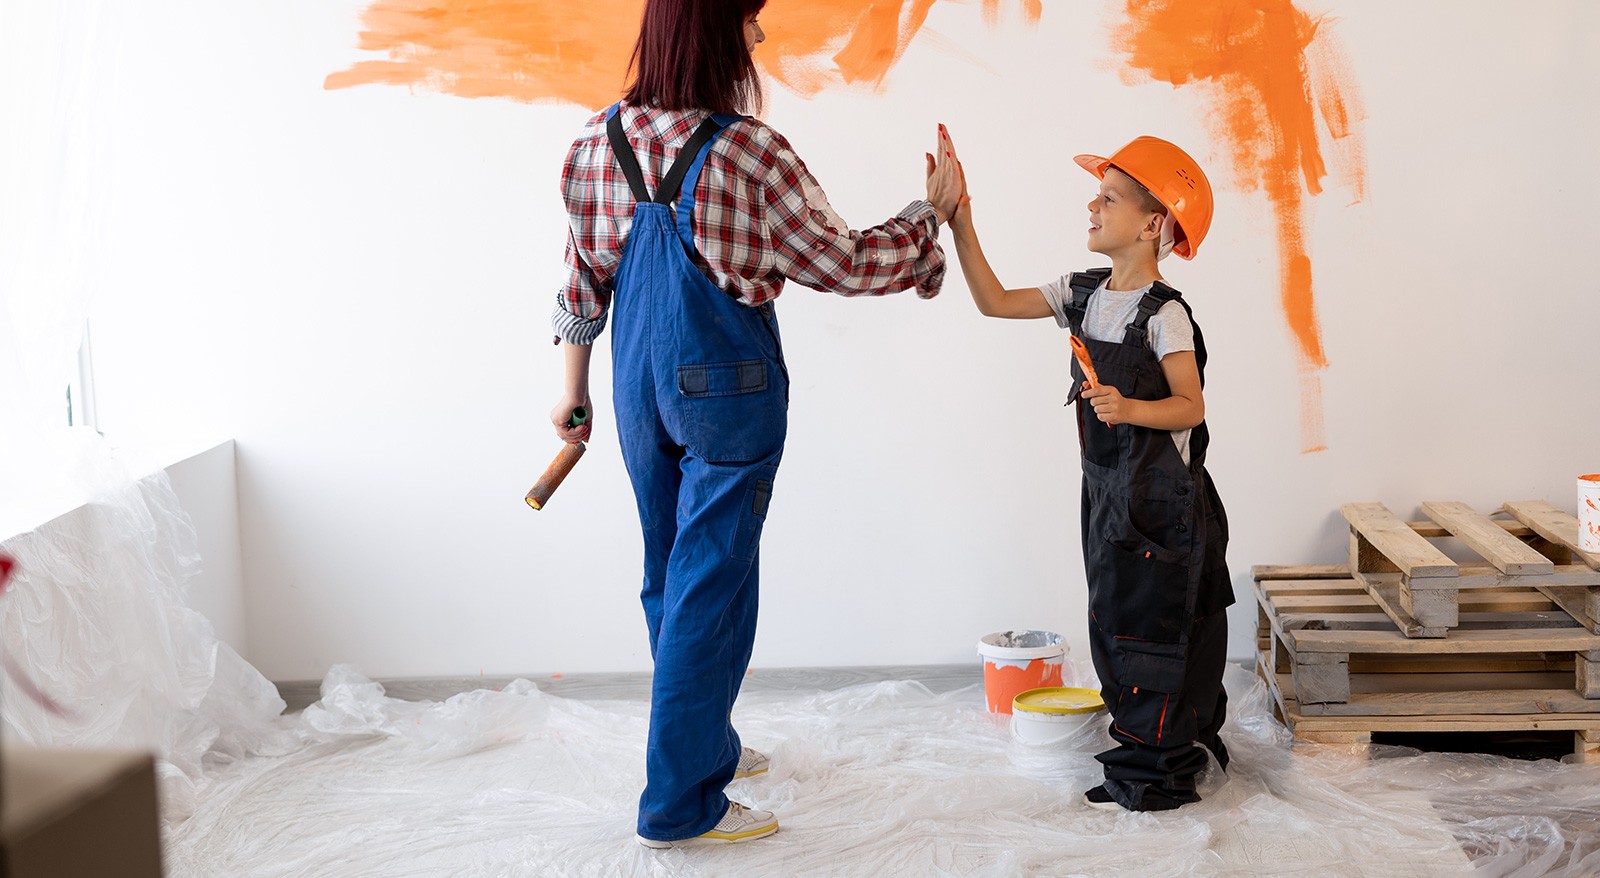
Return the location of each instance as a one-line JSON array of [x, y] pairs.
[[1169, 225]]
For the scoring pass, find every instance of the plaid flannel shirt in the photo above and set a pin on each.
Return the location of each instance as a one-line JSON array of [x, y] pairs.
[[759, 218]]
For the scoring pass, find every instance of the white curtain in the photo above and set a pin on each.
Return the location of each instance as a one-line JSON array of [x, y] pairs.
[[58, 62]]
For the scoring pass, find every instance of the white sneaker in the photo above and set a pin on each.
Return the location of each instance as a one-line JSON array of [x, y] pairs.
[[751, 763], [738, 824]]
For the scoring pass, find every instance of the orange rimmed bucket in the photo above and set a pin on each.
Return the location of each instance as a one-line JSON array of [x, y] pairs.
[[1016, 661], [1589, 512]]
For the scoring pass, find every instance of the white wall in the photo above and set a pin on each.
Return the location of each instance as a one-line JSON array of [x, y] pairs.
[[355, 284], [204, 482]]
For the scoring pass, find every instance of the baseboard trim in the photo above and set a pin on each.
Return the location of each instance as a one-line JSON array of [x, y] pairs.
[[635, 685]]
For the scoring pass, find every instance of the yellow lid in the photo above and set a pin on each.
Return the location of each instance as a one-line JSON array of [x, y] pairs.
[[1059, 700]]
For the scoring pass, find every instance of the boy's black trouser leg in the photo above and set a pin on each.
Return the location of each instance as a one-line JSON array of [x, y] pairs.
[[1162, 702], [1208, 658]]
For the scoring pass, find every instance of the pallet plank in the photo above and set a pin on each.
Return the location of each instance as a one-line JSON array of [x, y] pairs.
[[1365, 705], [1507, 553], [1460, 642], [1478, 576], [1580, 602], [1433, 529], [1299, 571], [1413, 555], [1509, 601], [1554, 525]]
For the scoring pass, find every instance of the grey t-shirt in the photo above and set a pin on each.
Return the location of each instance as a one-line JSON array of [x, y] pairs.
[[1110, 312]]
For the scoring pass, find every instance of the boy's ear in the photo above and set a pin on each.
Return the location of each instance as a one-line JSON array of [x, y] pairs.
[[1152, 228]]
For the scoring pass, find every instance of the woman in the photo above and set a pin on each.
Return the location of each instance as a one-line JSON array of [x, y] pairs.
[[685, 221]]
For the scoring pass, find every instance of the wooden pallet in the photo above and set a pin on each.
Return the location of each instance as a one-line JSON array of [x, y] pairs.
[[1512, 651], [1358, 730], [1419, 587], [1339, 670]]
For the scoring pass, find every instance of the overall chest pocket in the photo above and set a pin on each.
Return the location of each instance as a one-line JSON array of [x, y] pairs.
[[733, 412]]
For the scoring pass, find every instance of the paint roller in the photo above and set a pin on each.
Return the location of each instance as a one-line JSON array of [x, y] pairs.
[[565, 460]]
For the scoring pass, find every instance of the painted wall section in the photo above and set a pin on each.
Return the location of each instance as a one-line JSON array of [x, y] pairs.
[[1271, 73], [555, 50], [356, 284]]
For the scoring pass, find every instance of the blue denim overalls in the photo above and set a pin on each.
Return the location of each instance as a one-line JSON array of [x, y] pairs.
[[702, 397], [1155, 538]]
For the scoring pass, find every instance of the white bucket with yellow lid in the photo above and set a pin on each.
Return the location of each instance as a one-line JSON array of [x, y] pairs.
[[1051, 715]]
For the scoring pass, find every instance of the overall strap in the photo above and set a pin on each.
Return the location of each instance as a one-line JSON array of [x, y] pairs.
[[684, 181], [624, 153], [1159, 295], [688, 155], [680, 178], [1083, 284]]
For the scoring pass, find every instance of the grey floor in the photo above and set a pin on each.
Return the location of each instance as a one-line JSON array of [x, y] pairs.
[[298, 694]]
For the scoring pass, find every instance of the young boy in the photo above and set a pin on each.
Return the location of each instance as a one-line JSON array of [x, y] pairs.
[[1154, 532]]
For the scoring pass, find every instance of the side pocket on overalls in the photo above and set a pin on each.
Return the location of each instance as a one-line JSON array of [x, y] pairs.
[[1150, 596], [733, 413], [753, 515], [1150, 708]]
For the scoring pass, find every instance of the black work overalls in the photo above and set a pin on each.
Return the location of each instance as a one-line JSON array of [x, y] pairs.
[[1154, 540]]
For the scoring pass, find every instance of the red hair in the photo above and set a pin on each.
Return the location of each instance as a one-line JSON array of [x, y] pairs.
[[691, 55]]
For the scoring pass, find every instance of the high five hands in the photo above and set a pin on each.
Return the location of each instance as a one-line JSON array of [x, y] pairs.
[[947, 182]]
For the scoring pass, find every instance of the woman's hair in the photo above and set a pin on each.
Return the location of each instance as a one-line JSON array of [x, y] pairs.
[[691, 55]]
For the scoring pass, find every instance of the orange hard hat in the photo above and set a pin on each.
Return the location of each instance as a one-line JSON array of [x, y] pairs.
[[1172, 177]]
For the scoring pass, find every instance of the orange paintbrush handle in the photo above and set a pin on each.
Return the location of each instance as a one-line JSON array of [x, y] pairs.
[[1082, 353]]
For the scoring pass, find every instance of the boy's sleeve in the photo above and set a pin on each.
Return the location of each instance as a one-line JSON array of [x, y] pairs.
[[1173, 330], [1057, 293]]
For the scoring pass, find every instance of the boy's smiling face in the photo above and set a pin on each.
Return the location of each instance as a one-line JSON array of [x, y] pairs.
[[1118, 219]]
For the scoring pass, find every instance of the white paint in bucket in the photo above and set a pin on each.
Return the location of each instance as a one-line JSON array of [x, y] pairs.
[[1015, 649], [1589, 512]]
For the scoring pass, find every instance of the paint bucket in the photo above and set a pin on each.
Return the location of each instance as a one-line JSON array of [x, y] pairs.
[[1050, 716], [1016, 661], [1589, 512]]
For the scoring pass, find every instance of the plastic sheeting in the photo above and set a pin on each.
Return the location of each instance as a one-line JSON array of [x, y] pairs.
[[885, 779], [96, 616]]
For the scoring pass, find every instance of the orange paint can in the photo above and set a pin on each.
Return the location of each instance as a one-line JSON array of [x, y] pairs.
[[1016, 661]]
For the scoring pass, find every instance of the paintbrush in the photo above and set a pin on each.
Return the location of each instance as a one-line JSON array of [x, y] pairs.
[[1082, 354]]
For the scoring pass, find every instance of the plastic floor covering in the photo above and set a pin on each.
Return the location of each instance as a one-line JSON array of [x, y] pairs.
[[883, 779]]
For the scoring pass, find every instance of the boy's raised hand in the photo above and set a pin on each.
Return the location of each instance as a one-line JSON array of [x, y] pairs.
[[962, 218], [946, 183]]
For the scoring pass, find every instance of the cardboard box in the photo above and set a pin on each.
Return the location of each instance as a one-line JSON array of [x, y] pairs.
[[78, 814]]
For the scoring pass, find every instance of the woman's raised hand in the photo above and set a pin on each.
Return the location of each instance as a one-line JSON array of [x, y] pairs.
[[946, 183]]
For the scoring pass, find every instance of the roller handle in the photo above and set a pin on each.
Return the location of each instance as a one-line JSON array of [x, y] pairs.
[[563, 464]]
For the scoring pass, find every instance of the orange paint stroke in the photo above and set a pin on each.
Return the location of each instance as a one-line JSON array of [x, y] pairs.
[[562, 51], [1270, 73]]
